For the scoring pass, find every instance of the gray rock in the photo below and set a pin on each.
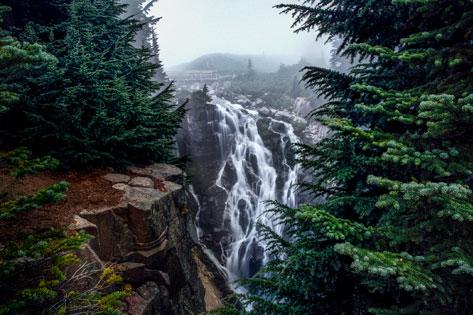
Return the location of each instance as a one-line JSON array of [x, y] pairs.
[[142, 182], [264, 111], [299, 120], [150, 235], [117, 178], [143, 198], [145, 301], [167, 172], [164, 278], [284, 115], [149, 290], [162, 172], [120, 186], [81, 224], [145, 171], [133, 271]]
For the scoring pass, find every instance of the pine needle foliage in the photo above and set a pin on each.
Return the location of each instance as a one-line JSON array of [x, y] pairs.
[[51, 194], [96, 103], [23, 165], [41, 274], [393, 232]]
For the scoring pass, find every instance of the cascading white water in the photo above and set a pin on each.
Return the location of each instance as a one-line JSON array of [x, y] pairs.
[[255, 182], [289, 196]]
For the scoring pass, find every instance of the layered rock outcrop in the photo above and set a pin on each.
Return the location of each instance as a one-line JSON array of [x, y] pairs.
[[151, 237]]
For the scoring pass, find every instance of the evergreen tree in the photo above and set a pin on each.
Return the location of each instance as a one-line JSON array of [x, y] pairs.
[[16, 61], [98, 105], [147, 36], [35, 269], [337, 62], [250, 74], [296, 88], [199, 100], [393, 234]]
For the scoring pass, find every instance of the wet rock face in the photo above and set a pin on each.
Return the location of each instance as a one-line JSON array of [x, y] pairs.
[[199, 139], [150, 236], [283, 156]]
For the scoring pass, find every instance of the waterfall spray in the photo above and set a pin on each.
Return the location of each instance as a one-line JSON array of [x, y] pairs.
[[255, 184]]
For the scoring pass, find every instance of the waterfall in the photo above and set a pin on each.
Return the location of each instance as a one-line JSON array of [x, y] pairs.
[[255, 177]]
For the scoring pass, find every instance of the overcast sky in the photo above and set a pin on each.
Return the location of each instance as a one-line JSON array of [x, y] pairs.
[[191, 28]]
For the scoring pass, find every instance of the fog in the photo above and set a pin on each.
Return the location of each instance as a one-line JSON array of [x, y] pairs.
[[191, 28]]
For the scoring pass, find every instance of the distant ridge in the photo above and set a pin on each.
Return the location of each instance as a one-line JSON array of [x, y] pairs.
[[233, 63]]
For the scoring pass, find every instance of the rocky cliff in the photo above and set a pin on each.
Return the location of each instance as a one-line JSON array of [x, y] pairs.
[[198, 139], [150, 237]]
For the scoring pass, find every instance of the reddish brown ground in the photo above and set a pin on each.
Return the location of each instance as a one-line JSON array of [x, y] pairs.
[[87, 190]]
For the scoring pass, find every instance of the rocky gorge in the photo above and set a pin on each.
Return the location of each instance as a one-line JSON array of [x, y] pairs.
[[150, 238]]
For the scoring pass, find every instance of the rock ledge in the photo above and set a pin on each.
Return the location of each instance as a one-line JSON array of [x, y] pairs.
[[151, 240]]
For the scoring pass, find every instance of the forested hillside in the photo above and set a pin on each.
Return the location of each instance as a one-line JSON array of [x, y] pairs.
[[394, 232], [279, 88], [235, 64]]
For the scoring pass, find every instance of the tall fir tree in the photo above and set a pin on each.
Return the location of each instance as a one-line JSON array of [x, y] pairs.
[[17, 60], [394, 232], [250, 73], [98, 105], [147, 36], [337, 62]]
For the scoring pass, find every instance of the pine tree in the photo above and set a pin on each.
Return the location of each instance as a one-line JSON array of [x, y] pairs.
[[17, 60], [250, 74], [393, 232], [337, 62], [98, 105], [40, 273], [199, 100], [147, 36]]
